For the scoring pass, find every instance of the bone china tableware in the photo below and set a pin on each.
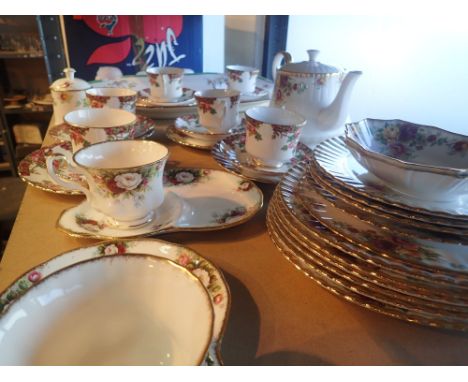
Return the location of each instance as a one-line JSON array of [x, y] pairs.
[[335, 161], [147, 105], [218, 109], [242, 78], [165, 315], [316, 91], [143, 128], [124, 179], [89, 126], [114, 98], [231, 155], [68, 94], [165, 83], [425, 162], [421, 293], [210, 276], [195, 200], [272, 135], [188, 131]]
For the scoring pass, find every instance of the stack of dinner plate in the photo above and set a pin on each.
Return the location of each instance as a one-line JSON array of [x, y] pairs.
[[371, 244]]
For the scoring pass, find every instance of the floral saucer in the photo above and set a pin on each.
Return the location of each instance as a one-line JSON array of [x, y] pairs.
[[32, 169], [180, 137], [210, 276], [144, 128], [256, 95], [230, 153], [190, 125], [187, 98], [195, 200]]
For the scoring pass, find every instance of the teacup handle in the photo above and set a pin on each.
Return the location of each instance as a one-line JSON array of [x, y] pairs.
[[68, 184], [166, 81]]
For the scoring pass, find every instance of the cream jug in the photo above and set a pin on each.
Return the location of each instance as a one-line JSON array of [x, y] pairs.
[[68, 94], [320, 93]]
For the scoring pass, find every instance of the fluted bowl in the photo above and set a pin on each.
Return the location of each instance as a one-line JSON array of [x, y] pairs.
[[425, 162]]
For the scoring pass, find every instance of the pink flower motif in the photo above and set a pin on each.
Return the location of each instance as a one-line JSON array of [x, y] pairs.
[[183, 260], [34, 276], [218, 298]]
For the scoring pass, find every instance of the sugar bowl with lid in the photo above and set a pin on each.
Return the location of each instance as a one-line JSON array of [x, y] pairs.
[[68, 94]]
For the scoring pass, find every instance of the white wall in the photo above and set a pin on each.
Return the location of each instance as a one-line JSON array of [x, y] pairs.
[[414, 68], [213, 44]]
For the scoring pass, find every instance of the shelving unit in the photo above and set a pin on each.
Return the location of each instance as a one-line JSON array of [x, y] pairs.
[[31, 57]]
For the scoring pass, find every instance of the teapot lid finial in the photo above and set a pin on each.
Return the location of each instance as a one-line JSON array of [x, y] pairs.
[[313, 53], [69, 73], [69, 82]]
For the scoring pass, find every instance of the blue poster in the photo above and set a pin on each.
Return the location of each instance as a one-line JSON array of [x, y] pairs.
[[133, 43]]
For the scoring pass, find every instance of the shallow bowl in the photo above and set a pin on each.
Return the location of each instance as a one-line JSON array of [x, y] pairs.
[[112, 310], [425, 162]]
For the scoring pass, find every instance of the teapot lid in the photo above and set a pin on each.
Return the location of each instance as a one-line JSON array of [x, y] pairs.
[[310, 67], [69, 83]]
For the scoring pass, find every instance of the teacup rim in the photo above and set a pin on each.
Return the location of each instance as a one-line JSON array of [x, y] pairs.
[[99, 110], [301, 123], [242, 68], [223, 93], [133, 92], [155, 70], [166, 155]]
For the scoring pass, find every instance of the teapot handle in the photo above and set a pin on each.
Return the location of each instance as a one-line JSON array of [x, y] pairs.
[[280, 56]]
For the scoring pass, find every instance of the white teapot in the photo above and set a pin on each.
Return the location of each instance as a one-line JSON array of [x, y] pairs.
[[318, 92], [68, 94]]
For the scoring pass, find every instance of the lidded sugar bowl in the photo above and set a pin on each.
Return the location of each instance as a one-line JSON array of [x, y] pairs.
[[68, 94], [319, 92]]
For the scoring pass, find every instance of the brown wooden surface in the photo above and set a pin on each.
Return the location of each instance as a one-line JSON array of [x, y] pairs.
[[278, 316]]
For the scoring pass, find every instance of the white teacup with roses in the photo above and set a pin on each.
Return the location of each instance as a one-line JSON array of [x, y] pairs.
[[218, 109], [272, 135], [113, 98], [125, 179], [242, 78], [165, 83], [88, 126]]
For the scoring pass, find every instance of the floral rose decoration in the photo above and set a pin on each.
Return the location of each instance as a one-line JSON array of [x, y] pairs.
[[96, 104], [128, 181], [34, 276], [184, 177], [183, 260], [114, 249]]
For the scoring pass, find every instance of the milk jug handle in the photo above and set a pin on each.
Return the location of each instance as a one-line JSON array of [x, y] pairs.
[[280, 56]]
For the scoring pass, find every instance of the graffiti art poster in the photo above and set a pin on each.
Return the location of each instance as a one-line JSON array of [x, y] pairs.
[[133, 43]]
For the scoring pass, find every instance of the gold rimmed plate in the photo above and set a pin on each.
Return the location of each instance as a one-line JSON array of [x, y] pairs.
[[210, 276], [195, 200]]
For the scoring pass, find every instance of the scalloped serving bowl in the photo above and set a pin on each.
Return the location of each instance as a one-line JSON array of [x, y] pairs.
[[111, 310], [425, 162]]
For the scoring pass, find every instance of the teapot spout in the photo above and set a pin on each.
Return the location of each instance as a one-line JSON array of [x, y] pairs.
[[334, 115]]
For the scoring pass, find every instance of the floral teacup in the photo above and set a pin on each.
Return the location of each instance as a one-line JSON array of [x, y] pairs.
[[88, 126], [272, 135], [125, 179], [114, 98], [165, 83], [218, 109], [242, 78]]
